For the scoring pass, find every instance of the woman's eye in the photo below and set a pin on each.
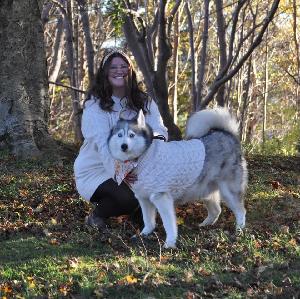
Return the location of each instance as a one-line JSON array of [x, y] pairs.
[[119, 135], [131, 135]]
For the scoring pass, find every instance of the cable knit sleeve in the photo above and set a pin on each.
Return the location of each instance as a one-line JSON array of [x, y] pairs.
[[95, 127], [153, 119]]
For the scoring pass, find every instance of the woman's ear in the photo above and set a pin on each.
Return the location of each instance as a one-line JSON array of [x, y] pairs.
[[141, 119]]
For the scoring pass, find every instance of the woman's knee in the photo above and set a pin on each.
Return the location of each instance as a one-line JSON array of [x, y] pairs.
[[112, 199]]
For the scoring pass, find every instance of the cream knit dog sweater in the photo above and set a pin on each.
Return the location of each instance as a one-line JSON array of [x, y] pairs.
[[170, 167]]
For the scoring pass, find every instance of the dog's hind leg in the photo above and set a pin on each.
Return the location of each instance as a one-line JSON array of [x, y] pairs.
[[212, 204], [149, 216], [234, 203], [165, 206]]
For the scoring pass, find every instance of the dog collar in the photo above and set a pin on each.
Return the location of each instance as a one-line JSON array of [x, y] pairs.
[[160, 137]]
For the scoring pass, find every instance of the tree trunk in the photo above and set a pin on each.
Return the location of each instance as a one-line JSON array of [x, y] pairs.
[[201, 67], [193, 56], [57, 51], [89, 49], [174, 94], [24, 103], [222, 48], [266, 90], [297, 50]]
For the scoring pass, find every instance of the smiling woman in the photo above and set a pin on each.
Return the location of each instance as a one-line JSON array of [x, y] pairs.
[[117, 74], [114, 92]]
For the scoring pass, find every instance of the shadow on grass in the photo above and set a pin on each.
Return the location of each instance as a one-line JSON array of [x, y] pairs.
[[23, 250]]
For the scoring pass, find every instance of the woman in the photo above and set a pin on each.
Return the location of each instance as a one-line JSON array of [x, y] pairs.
[[115, 92]]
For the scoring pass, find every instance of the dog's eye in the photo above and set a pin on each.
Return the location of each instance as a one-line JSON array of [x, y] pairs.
[[131, 135], [120, 135]]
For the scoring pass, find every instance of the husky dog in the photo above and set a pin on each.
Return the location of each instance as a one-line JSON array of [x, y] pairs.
[[208, 165]]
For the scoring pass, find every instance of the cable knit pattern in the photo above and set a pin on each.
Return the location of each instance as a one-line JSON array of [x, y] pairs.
[[94, 163], [170, 167]]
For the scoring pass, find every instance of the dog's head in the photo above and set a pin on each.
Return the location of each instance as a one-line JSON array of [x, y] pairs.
[[129, 139]]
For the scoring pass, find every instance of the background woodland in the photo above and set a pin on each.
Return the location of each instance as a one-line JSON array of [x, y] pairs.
[[190, 54]]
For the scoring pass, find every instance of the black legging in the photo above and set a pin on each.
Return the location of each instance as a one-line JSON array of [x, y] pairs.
[[112, 199]]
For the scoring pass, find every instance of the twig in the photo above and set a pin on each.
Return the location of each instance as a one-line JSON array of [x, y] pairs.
[[66, 86]]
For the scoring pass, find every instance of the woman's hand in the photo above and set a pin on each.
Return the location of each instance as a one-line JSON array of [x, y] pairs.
[[130, 178]]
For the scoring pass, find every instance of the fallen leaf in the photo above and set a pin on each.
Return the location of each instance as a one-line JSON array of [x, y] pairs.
[[31, 282], [204, 272], [180, 220], [131, 279], [275, 184], [53, 241]]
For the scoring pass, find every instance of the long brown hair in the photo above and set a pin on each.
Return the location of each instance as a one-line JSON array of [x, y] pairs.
[[101, 88]]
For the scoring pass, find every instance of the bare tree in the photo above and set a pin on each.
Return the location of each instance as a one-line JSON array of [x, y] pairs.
[[174, 88], [222, 47], [62, 6], [152, 55], [233, 64], [297, 51], [89, 50], [203, 57]]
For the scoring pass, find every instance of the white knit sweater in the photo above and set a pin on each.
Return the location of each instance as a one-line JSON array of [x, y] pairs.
[[169, 167], [94, 164]]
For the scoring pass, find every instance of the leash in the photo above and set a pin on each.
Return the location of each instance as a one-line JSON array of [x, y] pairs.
[[160, 137]]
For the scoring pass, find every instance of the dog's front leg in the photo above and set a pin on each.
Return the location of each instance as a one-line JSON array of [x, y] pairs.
[[149, 215], [165, 206]]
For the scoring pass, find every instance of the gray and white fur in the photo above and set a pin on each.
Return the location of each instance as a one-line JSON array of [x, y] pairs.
[[223, 176]]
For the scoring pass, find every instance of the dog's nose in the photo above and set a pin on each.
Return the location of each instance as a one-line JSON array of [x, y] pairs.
[[124, 147]]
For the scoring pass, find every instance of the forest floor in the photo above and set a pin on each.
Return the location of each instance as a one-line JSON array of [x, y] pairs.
[[46, 250]]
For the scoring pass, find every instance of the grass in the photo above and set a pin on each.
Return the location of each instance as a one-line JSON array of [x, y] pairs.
[[48, 252]]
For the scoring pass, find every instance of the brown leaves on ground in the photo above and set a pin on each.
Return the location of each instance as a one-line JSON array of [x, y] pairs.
[[41, 199]]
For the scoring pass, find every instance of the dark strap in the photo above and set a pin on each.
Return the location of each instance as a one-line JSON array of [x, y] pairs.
[[161, 137]]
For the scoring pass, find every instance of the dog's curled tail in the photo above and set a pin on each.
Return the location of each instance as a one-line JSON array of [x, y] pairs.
[[201, 122]]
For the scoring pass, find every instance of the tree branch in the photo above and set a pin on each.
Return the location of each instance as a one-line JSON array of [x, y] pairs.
[[67, 86], [220, 81]]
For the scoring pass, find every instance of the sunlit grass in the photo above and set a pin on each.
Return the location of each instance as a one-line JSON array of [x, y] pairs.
[[46, 250]]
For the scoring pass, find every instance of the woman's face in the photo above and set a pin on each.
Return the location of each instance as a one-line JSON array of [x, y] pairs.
[[117, 73]]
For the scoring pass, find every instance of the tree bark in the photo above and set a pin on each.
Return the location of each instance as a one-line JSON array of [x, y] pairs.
[[222, 48], [57, 51], [24, 102], [174, 93], [201, 71], [297, 50], [266, 91], [193, 56], [89, 50]]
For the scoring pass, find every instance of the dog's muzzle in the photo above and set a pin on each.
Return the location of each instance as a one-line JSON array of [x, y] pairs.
[[124, 147]]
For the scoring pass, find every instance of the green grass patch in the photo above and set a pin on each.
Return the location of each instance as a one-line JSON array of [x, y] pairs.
[[48, 252]]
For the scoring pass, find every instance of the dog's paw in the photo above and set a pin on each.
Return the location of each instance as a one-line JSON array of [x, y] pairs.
[[134, 237], [169, 245], [147, 231], [239, 230]]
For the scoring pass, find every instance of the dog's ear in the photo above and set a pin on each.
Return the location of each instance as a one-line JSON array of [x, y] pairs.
[[121, 113], [141, 119]]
